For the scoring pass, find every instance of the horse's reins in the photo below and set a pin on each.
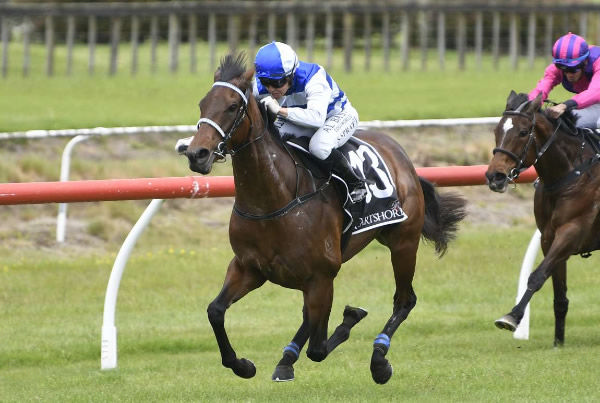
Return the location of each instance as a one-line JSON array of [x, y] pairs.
[[222, 151]]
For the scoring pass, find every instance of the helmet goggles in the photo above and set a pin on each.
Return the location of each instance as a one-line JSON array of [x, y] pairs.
[[273, 82], [569, 69]]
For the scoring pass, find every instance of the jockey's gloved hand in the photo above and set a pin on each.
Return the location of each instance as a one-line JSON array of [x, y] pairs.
[[271, 104]]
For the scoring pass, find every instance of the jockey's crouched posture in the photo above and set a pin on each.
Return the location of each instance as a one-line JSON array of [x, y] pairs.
[[308, 102], [576, 66]]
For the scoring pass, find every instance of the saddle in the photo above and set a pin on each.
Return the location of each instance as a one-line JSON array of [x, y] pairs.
[[591, 136], [380, 207]]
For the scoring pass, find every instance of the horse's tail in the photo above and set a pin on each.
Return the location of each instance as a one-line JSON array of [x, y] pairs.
[[442, 214]]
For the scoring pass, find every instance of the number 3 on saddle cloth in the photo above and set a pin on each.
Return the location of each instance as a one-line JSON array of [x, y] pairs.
[[381, 206]]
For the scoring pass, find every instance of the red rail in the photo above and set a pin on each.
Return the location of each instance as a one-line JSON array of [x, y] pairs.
[[191, 186]]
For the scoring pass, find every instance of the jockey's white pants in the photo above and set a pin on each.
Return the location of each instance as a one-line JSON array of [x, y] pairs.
[[588, 117], [334, 133]]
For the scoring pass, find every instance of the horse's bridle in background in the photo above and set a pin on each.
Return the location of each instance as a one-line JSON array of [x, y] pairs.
[[519, 159]]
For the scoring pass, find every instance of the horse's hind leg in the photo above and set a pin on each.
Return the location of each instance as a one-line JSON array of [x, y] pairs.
[[405, 299], [239, 281], [284, 371], [561, 303], [341, 333]]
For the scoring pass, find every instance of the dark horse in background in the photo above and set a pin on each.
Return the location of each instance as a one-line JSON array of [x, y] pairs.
[[567, 197], [287, 229]]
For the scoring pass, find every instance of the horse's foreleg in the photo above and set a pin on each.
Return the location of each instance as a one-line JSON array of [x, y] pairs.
[[405, 300], [239, 281], [561, 303], [556, 254], [511, 320], [318, 297], [284, 371]]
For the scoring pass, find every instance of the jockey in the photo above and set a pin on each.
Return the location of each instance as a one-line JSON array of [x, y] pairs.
[[577, 66], [308, 103]]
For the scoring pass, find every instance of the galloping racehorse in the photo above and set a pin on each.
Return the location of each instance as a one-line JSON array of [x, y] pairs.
[[286, 229], [567, 197]]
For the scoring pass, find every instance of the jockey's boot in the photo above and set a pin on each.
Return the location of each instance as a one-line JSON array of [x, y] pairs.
[[357, 186]]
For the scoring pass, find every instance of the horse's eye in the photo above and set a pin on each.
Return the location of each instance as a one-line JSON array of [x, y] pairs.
[[524, 133], [232, 108]]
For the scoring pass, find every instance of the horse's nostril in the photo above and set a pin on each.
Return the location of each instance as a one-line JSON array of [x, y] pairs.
[[495, 177], [202, 153], [499, 176], [199, 154]]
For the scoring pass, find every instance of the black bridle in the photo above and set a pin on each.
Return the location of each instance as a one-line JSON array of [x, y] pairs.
[[539, 151]]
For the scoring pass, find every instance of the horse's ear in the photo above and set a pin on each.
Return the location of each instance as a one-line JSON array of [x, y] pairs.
[[537, 101], [248, 75], [534, 104], [511, 96], [247, 79], [217, 76]]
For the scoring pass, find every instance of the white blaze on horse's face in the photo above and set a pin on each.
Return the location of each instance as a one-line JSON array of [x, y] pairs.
[[508, 124]]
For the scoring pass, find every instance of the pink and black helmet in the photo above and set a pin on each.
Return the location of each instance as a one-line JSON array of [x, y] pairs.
[[570, 50]]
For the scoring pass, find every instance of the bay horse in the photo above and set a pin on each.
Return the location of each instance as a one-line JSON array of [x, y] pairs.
[[567, 197], [286, 229]]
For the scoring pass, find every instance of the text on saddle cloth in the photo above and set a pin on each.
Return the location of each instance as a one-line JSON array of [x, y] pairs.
[[381, 205]]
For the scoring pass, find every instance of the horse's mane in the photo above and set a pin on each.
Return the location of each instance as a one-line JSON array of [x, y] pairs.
[[569, 118], [232, 66], [518, 100], [570, 141]]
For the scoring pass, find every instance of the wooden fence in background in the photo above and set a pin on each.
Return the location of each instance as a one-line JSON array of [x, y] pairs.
[[519, 31]]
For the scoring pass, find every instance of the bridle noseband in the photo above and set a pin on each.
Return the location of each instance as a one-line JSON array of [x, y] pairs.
[[241, 114]]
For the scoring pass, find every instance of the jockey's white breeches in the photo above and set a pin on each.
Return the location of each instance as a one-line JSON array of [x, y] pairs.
[[588, 117], [334, 133]]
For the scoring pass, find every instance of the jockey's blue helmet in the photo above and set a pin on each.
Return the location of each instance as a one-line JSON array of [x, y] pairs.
[[570, 50], [275, 60]]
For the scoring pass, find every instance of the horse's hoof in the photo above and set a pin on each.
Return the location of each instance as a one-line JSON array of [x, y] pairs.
[[283, 373], [506, 322], [382, 373], [357, 313], [316, 355], [244, 368], [558, 343]]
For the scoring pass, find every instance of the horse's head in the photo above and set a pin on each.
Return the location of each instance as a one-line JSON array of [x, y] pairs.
[[516, 148], [223, 123]]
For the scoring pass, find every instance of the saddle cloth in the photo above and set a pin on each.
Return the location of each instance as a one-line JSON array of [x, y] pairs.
[[381, 206]]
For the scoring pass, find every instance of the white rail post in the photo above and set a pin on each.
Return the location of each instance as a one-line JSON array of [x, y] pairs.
[[61, 219], [522, 332], [108, 355]]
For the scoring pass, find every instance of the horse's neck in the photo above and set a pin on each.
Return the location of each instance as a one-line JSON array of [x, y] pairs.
[[262, 174], [558, 160]]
